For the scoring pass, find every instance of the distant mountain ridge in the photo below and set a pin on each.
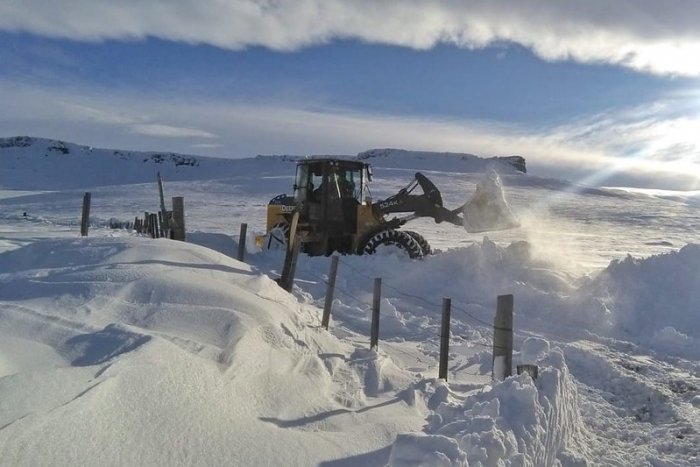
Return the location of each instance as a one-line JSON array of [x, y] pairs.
[[30, 163], [445, 160], [64, 148]]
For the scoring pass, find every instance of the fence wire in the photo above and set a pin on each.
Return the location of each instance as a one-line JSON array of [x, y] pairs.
[[421, 299], [362, 303]]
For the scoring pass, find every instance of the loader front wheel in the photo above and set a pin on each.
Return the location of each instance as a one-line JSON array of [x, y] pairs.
[[395, 239], [425, 246]]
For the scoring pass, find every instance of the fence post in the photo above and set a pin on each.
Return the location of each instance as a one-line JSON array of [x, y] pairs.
[[154, 225], [330, 289], [151, 226], [290, 265], [376, 302], [241, 241], [163, 218], [445, 338], [160, 224], [146, 222], [286, 281], [85, 219], [503, 339], [178, 225]]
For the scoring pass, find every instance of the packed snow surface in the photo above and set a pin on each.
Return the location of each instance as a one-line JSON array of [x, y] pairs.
[[117, 349]]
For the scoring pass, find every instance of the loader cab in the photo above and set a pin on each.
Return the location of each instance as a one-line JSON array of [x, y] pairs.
[[330, 191], [321, 179]]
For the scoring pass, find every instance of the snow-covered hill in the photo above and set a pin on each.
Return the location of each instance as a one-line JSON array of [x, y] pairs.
[[444, 161], [28, 163], [118, 349]]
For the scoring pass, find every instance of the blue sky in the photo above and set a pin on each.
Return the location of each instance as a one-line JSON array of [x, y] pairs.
[[606, 95]]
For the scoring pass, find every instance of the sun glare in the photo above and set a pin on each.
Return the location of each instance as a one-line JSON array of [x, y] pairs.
[[664, 149]]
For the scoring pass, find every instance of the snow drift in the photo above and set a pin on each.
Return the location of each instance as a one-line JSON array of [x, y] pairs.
[[123, 350], [131, 351], [517, 422], [655, 296]]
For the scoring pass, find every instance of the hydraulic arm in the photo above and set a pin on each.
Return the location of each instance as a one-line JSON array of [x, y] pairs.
[[427, 204]]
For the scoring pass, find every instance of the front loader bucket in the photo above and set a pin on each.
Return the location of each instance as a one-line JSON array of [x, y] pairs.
[[488, 209]]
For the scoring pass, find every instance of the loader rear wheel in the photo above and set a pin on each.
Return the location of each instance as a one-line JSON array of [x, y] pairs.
[[277, 237], [393, 238], [425, 246]]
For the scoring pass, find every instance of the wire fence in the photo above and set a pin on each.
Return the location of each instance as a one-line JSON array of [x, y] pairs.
[[412, 298], [421, 299], [433, 305]]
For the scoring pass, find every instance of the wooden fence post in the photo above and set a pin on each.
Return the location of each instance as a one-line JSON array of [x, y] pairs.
[[163, 211], [376, 303], [330, 289], [503, 339], [241, 241], [146, 223], [151, 226], [154, 226], [290, 265], [160, 223], [178, 224], [85, 219], [286, 281], [445, 338]]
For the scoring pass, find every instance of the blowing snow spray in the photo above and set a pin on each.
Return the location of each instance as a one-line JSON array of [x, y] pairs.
[[488, 209]]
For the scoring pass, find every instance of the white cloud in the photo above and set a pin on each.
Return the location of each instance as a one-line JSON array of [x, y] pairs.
[[648, 35], [206, 145], [169, 131], [655, 146], [139, 123]]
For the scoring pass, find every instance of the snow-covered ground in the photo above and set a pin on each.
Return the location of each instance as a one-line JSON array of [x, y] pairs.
[[118, 349]]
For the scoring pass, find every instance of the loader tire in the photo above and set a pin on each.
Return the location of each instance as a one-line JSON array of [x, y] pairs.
[[425, 246], [396, 238], [277, 237]]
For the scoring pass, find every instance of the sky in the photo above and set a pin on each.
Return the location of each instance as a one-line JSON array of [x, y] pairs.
[[604, 93]]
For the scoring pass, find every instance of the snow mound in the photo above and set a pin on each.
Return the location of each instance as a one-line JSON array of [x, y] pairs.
[[417, 449], [136, 351], [471, 276], [656, 296], [517, 422]]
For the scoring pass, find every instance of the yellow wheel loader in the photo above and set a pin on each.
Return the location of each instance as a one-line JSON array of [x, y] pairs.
[[336, 212]]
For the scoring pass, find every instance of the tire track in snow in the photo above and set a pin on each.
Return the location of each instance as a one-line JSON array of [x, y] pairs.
[[629, 404]]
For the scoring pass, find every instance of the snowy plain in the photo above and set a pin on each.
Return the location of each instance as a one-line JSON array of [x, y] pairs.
[[119, 349]]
